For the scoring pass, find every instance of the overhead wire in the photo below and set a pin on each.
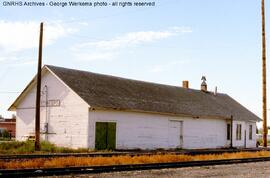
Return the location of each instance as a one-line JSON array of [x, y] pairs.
[[9, 92]]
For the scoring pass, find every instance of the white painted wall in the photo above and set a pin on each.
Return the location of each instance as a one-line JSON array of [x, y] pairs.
[[205, 133], [245, 127], [73, 125], [251, 143], [68, 124], [151, 131]]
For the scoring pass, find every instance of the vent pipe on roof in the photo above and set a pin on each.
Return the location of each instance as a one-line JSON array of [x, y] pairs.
[[185, 84], [203, 85], [215, 93]]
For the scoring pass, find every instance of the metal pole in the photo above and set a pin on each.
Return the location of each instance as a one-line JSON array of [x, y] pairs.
[[37, 123], [231, 132], [264, 116]]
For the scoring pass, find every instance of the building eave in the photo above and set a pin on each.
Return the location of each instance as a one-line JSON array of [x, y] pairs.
[[160, 113], [24, 92], [32, 83]]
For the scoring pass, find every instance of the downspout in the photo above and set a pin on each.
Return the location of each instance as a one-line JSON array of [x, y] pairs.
[[231, 146]]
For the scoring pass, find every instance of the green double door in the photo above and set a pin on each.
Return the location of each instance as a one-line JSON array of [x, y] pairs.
[[105, 135]]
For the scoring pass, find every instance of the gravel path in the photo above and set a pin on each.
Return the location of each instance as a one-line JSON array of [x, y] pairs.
[[247, 170]]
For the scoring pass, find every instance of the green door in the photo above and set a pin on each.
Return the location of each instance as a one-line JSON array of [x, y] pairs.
[[111, 135], [101, 136], [105, 135]]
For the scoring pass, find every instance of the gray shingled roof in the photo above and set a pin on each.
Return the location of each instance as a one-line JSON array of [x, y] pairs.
[[104, 91]]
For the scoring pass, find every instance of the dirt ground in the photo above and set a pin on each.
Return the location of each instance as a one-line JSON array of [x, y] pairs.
[[247, 170]]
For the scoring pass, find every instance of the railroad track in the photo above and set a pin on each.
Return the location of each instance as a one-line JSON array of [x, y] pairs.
[[110, 154], [118, 168]]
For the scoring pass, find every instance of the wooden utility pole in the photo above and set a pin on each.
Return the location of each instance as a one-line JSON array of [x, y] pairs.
[[37, 128], [231, 144], [264, 78]]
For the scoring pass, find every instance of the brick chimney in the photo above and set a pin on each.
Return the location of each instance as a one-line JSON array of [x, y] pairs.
[[203, 85], [185, 84]]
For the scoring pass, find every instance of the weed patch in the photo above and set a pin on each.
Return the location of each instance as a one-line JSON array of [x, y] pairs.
[[120, 160], [28, 147]]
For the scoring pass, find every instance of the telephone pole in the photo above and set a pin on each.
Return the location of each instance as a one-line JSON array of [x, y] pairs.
[[37, 128], [264, 78]]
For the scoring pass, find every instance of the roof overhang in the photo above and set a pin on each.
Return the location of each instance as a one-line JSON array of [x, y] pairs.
[[93, 108], [32, 84], [160, 113]]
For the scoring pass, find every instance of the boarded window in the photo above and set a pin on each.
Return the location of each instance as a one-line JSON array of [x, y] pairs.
[[105, 135], [250, 132], [238, 132], [228, 131]]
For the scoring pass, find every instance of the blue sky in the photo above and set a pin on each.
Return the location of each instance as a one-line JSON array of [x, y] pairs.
[[173, 41]]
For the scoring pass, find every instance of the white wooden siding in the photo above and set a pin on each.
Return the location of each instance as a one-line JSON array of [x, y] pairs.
[[151, 131], [245, 127], [205, 133], [67, 123], [73, 124]]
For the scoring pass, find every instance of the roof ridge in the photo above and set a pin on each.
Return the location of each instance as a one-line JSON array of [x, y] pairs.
[[113, 92], [135, 80]]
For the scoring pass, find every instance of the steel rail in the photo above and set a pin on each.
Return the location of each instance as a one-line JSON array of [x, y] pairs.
[[110, 154], [118, 168]]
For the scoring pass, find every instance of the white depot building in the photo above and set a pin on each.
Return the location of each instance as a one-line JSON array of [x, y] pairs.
[[89, 110]]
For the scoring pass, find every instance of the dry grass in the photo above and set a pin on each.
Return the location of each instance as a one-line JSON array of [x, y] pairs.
[[120, 160], [28, 147]]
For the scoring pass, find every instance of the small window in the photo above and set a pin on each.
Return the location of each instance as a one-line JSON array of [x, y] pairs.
[[238, 131], [228, 131], [250, 132]]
